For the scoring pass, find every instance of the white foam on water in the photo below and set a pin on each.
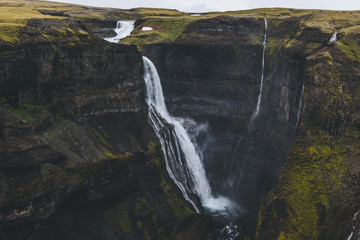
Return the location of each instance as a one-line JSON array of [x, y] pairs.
[[123, 29]]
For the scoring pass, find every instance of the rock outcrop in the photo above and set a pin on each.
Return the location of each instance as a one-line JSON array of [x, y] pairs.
[[78, 158]]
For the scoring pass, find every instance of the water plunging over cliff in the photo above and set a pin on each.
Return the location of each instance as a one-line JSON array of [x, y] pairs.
[[183, 163], [333, 38], [354, 220], [123, 29], [257, 109], [300, 106]]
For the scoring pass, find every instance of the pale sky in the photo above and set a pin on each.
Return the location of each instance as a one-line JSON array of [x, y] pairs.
[[221, 5]]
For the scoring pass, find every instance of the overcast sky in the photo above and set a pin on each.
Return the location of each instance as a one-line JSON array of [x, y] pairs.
[[221, 5]]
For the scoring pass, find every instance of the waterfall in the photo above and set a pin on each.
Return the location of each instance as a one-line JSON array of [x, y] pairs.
[[123, 29], [353, 227], [257, 109], [333, 38], [300, 106], [183, 163]]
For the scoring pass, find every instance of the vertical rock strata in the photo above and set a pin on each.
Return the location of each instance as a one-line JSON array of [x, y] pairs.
[[317, 193]]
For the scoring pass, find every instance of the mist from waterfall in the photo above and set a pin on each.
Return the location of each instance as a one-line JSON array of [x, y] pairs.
[[183, 162], [257, 109], [123, 29]]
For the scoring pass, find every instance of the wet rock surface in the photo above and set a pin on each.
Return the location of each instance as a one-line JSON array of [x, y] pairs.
[[217, 82], [78, 158]]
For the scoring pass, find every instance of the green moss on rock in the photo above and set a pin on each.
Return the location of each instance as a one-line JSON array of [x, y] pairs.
[[117, 220], [315, 192], [179, 206]]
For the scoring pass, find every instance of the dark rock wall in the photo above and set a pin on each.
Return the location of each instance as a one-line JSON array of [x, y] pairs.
[[78, 159], [318, 190], [217, 81], [84, 80], [74, 134]]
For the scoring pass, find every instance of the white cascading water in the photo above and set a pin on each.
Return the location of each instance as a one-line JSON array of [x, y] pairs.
[[353, 227], [123, 29], [257, 109], [183, 163], [300, 106], [333, 38]]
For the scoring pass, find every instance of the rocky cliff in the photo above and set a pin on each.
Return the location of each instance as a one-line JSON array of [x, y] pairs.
[[218, 84], [211, 73], [78, 159], [318, 189]]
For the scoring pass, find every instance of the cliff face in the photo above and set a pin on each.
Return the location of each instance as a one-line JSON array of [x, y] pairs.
[[212, 74], [318, 190], [81, 76], [78, 158]]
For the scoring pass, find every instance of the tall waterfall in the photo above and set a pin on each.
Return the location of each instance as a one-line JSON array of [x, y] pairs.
[[123, 29], [183, 163], [257, 109]]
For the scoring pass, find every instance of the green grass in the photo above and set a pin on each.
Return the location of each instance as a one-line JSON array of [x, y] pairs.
[[16, 13], [117, 220], [330, 21], [313, 193], [158, 12], [14, 16], [168, 24], [314, 177], [164, 30]]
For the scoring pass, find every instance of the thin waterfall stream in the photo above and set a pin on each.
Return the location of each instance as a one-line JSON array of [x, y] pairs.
[[354, 220], [258, 104], [300, 106], [255, 113]]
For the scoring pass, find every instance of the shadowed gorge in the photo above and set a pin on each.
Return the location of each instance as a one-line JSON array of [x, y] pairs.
[[219, 85], [250, 130]]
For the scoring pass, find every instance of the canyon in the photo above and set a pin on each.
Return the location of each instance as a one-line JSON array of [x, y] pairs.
[[79, 158]]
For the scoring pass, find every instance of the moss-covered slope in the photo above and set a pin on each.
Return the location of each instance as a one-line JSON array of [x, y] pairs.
[[317, 193]]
